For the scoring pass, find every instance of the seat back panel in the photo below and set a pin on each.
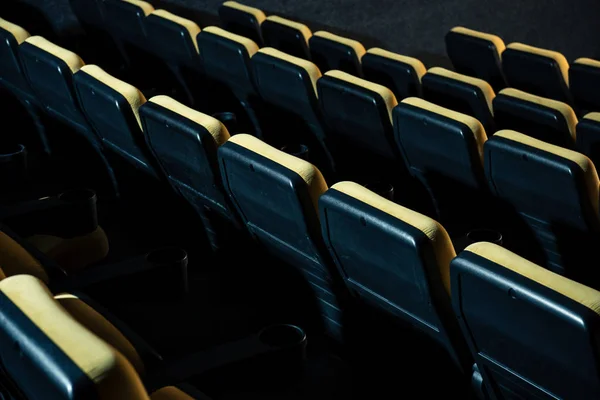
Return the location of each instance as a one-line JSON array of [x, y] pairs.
[[173, 42], [11, 73], [330, 54], [242, 20], [397, 74], [126, 20], [287, 36], [584, 79]]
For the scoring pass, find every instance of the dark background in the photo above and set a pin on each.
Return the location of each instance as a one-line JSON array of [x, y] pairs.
[[410, 27]]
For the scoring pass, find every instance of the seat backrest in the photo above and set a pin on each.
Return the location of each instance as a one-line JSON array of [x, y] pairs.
[[173, 38], [549, 120], [538, 71], [462, 93], [11, 73], [185, 143], [412, 282], [444, 150], [288, 36], [584, 79], [226, 58], [533, 333], [111, 106], [401, 74], [359, 112], [331, 52], [49, 70], [242, 20], [588, 136], [43, 343], [89, 12], [477, 54], [126, 20]]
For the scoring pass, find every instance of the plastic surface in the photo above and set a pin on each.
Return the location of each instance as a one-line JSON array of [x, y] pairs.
[[528, 341], [584, 81], [241, 23], [11, 74], [329, 55], [476, 57], [588, 139], [171, 41], [126, 21], [285, 38], [397, 76]]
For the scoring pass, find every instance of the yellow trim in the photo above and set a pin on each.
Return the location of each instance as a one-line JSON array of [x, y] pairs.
[[19, 33], [594, 116], [313, 71], [355, 45], [485, 87], [587, 61], [192, 28], [134, 97], [443, 248], [251, 47], [258, 14], [473, 123], [15, 260], [582, 294], [496, 40], [416, 64], [147, 8], [566, 111], [303, 29], [586, 165], [73, 61], [385, 93], [217, 130], [309, 173], [561, 61]]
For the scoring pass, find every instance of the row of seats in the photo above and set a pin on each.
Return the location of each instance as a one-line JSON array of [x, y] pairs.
[[535, 70]]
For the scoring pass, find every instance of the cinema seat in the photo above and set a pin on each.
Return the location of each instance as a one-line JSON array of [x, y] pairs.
[[329, 51], [242, 20], [444, 150], [226, 59], [544, 119], [462, 93], [276, 195], [68, 348], [289, 86], [125, 21], [584, 78], [401, 74], [537, 71], [185, 143], [477, 54], [588, 136], [287, 36], [412, 281], [111, 107], [532, 332], [555, 191]]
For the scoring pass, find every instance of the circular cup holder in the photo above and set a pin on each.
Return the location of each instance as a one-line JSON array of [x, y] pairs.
[[485, 235], [383, 189], [281, 336], [11, 150], [167, 255], [296, 150], [77, 196]]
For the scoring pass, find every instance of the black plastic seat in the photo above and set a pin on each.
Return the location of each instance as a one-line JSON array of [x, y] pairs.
[[588, 136], [444, 150], [584, 78], [477, 54], [287, 36], [537, 71], [412, 282], [289, 86], [401, 74], [276, 195], [555, 192], [185, 143], [359, 116], [242, 20], [111, 107], [68, 348], [549, 120], [226, 59], [462, 93], [329, 52], [532, 332]]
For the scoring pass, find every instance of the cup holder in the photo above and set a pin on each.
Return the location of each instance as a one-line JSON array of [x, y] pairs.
[[281, 336], [296, 150], [167, 255], [485, 235], [11, 151], [77, 196], [383, 189]]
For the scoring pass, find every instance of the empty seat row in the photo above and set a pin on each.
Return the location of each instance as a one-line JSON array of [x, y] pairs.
[[535, 70]]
